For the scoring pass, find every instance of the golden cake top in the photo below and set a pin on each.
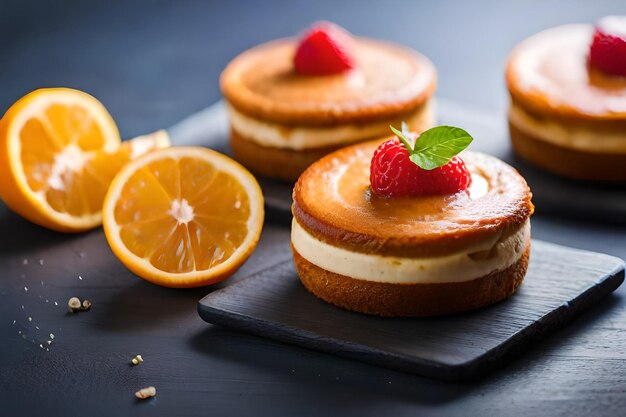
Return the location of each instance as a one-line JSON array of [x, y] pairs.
[[333, 201], [549, 72], [388, 80]]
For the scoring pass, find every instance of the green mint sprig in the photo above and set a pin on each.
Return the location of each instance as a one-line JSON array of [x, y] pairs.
[[436, 146]]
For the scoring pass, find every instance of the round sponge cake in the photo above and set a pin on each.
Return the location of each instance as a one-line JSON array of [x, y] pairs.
[[415, 256], [292, 119], [566, 117]]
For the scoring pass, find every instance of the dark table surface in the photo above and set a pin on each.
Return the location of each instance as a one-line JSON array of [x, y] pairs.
[[152, 64]]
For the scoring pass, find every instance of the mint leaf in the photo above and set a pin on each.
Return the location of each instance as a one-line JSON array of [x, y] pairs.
[[436, 146], [404, 139]]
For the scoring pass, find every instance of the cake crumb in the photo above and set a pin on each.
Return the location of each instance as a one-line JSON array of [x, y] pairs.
[[74, 304], [144, 393], [86, 305]]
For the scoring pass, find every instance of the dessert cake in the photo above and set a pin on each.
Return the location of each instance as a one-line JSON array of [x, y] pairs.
[[292, 101], [376, 233], [568, 100]]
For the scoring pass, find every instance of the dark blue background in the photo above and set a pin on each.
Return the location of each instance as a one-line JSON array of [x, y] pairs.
[[154, 62]]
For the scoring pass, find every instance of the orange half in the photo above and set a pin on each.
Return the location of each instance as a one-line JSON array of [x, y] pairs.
[[183, 217], [59, 150]]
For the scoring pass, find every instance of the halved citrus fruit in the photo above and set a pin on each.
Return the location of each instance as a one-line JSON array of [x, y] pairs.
[[183, 217], [59, 150]]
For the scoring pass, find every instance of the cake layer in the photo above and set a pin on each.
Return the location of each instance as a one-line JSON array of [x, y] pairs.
[[278, 163], [407, 300], [491, 255], [584, 137], [272, 134], [567, 161], [387, 81]]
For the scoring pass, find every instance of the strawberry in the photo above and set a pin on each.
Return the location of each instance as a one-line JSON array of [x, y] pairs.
[[608, 48], [325, 49], [394, 172]]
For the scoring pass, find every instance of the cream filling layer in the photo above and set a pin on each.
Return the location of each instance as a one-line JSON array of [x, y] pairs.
[[300, 138], [573, 137], [493, 255]]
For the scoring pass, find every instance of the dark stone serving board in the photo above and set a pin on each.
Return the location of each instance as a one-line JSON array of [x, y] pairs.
[[551, 194], [561, 282]]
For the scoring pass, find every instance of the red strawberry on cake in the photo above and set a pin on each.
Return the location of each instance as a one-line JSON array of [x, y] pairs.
[[325, 49], [395, 174], [608, 48]]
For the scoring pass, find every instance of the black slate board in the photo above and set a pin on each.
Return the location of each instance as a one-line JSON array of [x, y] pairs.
[[561, 282], [551, 194]]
